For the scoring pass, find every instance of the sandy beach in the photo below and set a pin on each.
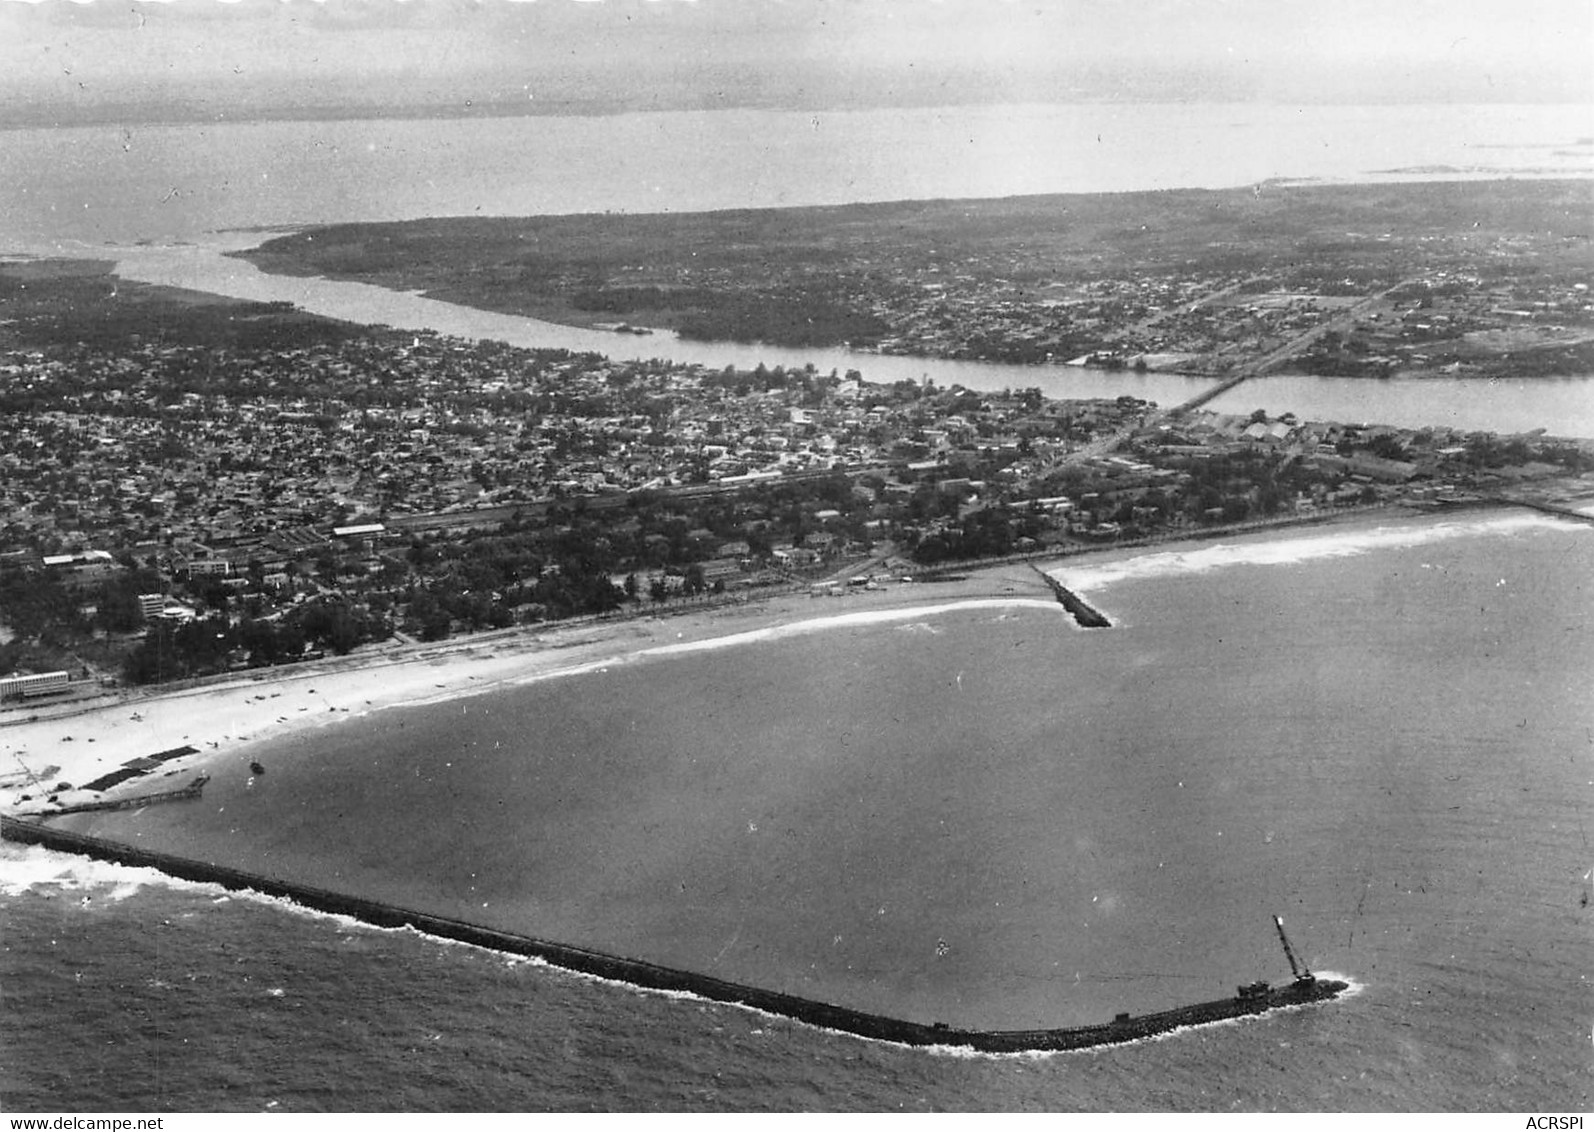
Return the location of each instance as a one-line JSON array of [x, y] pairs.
[[229, 715], [814, 795], [266, 704]]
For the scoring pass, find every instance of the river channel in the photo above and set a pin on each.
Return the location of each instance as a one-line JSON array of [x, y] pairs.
[[1562, 406]]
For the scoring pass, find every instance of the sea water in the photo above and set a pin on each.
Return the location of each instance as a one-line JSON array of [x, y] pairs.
[[154, 197], [980, 815], [85, 186], [1387, 739]]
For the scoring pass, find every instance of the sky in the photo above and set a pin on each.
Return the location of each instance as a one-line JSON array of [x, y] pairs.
[[69, 61]]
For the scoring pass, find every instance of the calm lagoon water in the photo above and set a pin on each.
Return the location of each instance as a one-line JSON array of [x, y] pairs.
[[120, 184]]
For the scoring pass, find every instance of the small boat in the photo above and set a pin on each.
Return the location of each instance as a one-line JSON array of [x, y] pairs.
[[256, 769]]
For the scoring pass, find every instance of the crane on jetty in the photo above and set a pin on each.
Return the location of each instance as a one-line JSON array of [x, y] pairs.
[[1298, 969], [1251, 1000]]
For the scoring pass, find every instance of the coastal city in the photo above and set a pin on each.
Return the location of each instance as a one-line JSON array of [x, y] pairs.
[[1440, 321], [297, 486], [802, 556]]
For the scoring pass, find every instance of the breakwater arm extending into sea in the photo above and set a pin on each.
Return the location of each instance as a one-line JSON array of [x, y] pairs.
[[1255, 999], [1087, 615]]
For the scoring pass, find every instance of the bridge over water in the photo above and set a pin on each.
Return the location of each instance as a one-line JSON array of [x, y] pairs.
[[1242, 373]]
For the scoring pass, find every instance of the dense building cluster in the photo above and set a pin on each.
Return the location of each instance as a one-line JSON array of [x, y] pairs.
[[169, 509]]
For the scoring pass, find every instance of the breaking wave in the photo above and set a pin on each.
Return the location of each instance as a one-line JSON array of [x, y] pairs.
[[1292, 551], [846, 620], [32, 868]]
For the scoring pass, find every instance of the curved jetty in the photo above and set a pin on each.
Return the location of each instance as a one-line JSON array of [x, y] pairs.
[[1254, 998]]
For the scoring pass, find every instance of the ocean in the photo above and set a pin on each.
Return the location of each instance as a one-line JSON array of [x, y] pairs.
[[979, 814], [163, 200], [1382, 733], [84, 187]]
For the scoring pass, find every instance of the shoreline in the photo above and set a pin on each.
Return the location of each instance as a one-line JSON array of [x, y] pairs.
[[232, 713], [539, 856], [236, 712]]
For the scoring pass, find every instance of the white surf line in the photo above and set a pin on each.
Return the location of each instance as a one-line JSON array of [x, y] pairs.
[[776, 632], [730, 640], [1293, 551], [26, 868], [39, 868], [846, 620]]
